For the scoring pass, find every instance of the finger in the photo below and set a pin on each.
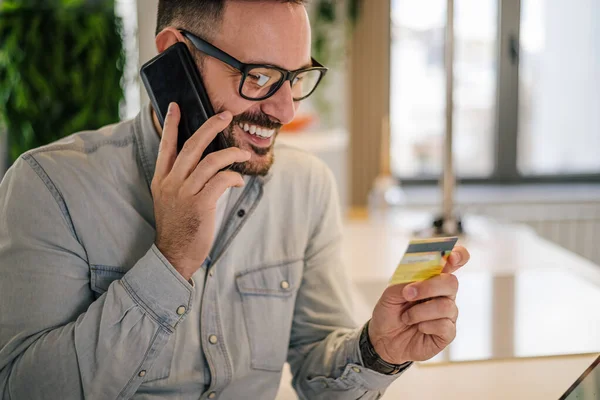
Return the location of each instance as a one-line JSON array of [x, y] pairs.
[[167, 150], [443, 285], [211, 165], [439, 308], [441, 328], [217, 185], [459, 257], [189, 156]]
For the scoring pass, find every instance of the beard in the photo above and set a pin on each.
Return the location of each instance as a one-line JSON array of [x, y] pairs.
[[262, 157]]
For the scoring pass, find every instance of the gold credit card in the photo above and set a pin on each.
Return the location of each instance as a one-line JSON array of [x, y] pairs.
[[423, 259]]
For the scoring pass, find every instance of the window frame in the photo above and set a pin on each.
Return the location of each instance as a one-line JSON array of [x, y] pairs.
[[506, 125]]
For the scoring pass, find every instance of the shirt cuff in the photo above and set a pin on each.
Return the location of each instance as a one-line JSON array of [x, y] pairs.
[[159, 289]]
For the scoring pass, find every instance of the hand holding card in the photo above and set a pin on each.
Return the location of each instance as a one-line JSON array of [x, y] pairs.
[[415, 317]]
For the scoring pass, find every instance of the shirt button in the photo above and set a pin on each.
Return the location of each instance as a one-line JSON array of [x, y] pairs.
[[285, 285], [212, 395], [241, 213], [180, 310], [142, 373], [213, 339], [356, 369]]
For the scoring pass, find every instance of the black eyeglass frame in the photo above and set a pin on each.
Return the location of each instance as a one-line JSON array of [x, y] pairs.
[[213, 51]]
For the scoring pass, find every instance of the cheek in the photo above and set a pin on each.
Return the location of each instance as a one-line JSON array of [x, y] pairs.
[[229, 99], [223, 89]]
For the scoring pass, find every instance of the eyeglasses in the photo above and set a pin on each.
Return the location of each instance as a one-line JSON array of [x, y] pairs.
[[261, 81]]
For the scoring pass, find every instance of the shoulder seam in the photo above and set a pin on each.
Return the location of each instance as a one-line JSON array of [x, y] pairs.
[[44, 177]]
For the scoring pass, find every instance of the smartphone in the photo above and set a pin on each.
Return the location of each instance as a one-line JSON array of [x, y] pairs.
[[172, 76]]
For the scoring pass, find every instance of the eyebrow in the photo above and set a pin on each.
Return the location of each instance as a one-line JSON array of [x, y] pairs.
[[305, 66]]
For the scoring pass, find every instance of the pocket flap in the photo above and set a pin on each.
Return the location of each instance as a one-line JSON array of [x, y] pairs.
[[279, 280], [102, 276]]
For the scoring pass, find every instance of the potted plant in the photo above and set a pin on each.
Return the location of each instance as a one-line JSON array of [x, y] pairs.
[[61, 66]]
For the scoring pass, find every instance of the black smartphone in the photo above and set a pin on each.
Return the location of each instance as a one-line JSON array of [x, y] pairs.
[[172, 76]]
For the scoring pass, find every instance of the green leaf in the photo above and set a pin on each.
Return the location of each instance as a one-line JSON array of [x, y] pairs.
[[326, 10], [61, 67]]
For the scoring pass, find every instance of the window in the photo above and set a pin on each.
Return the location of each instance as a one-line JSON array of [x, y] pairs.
[[545, 124], [559, 87], [127, 11]]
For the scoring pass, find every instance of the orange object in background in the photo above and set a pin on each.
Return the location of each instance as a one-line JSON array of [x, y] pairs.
[[299, 123]]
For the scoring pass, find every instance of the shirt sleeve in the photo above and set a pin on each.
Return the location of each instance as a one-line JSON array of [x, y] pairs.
[[324, 350], [52, 329]]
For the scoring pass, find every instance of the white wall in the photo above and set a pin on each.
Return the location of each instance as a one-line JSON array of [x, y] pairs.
[[146, 14]]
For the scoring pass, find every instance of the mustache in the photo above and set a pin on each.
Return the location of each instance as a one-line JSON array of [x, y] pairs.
[[260, 119]]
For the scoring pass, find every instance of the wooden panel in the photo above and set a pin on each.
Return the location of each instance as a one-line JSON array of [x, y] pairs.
[[369, 89]]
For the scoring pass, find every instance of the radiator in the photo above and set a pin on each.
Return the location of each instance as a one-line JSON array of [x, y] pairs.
[[574, 226]]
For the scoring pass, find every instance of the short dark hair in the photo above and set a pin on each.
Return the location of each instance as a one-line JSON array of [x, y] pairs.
[[200, 16]]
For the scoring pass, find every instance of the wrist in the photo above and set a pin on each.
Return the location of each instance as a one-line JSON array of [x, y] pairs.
[[185, 269], [380, 346], [372, 359]]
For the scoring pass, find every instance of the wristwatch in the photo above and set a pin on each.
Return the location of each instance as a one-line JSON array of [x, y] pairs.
[[371, 359]]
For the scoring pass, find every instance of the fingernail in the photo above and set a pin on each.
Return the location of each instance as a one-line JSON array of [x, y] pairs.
[[170, 109], [225, 115], [410, 293], [247, 153], [456, 257]]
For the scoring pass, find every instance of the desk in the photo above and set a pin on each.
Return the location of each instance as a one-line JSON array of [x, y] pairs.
[[520, 297]]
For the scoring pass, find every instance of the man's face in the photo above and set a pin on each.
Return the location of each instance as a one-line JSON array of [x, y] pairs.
[[258, 32]]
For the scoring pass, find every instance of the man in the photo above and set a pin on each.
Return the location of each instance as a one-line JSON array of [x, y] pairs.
[[131, 271]]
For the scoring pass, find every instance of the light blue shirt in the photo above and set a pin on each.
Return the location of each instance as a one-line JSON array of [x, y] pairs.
[[90, 308]]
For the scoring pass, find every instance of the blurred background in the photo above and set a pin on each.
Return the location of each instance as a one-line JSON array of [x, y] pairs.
[[526, 93], [525, 123]]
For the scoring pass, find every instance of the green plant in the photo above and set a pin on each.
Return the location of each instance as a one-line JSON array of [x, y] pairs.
[[61, 66], [332, 23], [329, 18]]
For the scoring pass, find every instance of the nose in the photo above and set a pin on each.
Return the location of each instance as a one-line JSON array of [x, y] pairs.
[[281, 105]]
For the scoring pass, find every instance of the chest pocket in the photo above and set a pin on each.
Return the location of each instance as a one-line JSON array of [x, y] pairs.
[[101, 277], [268, 298]]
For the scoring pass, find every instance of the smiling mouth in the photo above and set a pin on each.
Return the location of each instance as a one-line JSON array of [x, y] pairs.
[[255, 130], [258, 136]]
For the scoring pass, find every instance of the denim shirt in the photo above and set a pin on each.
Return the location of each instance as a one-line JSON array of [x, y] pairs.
[[90, 308]]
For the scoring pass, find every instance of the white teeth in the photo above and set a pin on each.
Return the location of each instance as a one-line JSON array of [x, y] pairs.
[[255, 130]]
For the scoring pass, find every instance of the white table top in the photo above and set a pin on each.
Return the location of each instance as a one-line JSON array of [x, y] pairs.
[[520, 296]]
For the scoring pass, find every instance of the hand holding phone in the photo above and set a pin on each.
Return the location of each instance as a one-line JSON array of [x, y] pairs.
[[185, 190], [172, 76], [191, 167]]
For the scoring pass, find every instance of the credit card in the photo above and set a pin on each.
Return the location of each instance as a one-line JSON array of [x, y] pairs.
[[423, 259]]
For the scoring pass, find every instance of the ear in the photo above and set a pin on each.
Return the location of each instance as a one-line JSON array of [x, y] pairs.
[[167, 38]]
